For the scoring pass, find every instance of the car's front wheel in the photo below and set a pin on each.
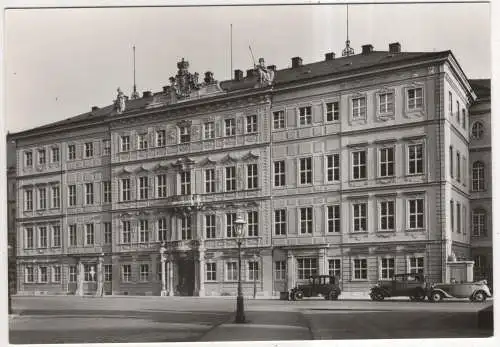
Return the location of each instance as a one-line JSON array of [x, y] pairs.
[[436, 296], [479, 296], [332, 295], [298, 295], [376, 296]]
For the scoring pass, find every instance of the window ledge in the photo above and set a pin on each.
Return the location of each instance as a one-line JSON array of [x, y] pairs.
[[359, 232], [414, 230]]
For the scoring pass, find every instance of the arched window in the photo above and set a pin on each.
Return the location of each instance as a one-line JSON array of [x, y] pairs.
[[479, 222], [477, 176], [477, 130]]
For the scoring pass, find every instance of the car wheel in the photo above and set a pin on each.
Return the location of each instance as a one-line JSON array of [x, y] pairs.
[[479, 296], [377, 296], [298, 295], [419, 295], [436, 296], [333, 295]]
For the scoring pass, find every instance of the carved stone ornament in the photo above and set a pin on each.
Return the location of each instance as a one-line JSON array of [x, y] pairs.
[[265, 75], [184, 82], [120, 101]]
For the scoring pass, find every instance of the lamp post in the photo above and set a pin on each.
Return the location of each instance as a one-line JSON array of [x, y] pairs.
[[163, 259], [239, 223], [255, 273]]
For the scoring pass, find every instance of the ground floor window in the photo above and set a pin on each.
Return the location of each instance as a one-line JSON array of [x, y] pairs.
[[232, 271], [126, 273], [144, 272], [360, 269], [280, 270], [211, 271], [43, 274], [72, 273], [56, 274], [386, 268], [307, 267], [89, 273], [334, 267], [108, 272], [253, 270], [30, 274], [416, 265]]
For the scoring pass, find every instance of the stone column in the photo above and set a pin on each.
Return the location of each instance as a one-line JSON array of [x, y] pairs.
[[290, 269], [100, 278], [170, 278], [322, 270], [80, 278], [201, 271], [163, 272]]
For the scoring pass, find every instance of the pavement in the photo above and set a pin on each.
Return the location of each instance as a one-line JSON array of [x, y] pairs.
[[188, 319]]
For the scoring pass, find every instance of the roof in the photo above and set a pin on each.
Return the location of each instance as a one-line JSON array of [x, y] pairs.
[[338, 66], [482, 87]]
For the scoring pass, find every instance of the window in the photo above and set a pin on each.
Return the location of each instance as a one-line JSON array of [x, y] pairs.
[[360, 269], [477, 130], [126, 189], [416, 213], [459, 178], [451, 161], [280, 270], [126, 273], [387, 215], [162, 229], [386, 268], [125, 143], [464, 214], [386, 102], [42, 237], [464, 118], [43, 274], [334, 268], [306, 220], [143, 188], [333, 218], [416, 265], [56, 274], [415, 159], [72, 195], [55, 154], [452, 216], [89, 273], [279, 173], [415, 98], [386, 157], [450, 104], [56, 197], [144, 272], [279, 120], [89, 149], [333, 167], [210, 226], [230, 127], [106, 188], [305, 115], [108, 272], [28, 200], [359, 165], [126, 232], [458, 112], [252, 124], [478, 223], [161, 184], [89, 234], [332, 111], [143, 231], [359, 108], [306, 267], [477, 176], [185, 134], [210, 181], [305, 170], [107, 233], [42, 198], [253, 270], [230, 218], [106, 147], [142, 141], [28, 159], [72, 235], [71, 152], [89, 193], [185, 182], [253, 223], [72, 273], [29, 238], [252, 176], [56, 236], [186, 227], [232, 271], [211, 274], [30, 274], [359, 217], [280, 222], [230, 178], [209, 130], [160, 138], [459, 218], [41, 156]]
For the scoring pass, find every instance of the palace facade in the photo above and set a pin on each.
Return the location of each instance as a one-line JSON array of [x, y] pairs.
[[356, 166]]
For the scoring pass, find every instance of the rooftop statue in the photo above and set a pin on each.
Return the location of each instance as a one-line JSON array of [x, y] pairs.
[[266, 76], [120, 101]]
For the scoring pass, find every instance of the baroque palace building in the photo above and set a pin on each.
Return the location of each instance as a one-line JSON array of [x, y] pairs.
[[356, 166]]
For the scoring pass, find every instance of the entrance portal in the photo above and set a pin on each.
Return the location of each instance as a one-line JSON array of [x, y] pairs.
[[185, 275]]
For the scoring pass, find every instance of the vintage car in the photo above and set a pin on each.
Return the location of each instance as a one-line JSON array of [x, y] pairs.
[[474, 291], [412, 285], [325, 285]]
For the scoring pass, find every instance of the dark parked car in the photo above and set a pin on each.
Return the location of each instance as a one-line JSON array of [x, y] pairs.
[[327, 286], [412, 285], [474, 291]]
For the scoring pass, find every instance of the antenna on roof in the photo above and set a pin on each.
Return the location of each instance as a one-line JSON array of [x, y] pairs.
[[135, 94], [348, 50], [231, 32], [253, 59]]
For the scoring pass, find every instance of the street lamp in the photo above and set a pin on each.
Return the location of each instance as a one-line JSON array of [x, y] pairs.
[[240, 313], [255, 272]]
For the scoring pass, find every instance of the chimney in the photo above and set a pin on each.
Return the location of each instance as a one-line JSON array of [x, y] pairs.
[[296, 62], [366, 49], [272, 67], [94, 108], [329, 56], [250, 72], [394, 47], [146, 94], [238, 75]]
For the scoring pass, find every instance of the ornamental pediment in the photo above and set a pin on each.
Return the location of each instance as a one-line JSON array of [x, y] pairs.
[[229, 158], [207, 161], [123, 172], [250, 156]]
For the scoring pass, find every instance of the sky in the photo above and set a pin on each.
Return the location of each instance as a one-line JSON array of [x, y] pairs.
[[61, 62]]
